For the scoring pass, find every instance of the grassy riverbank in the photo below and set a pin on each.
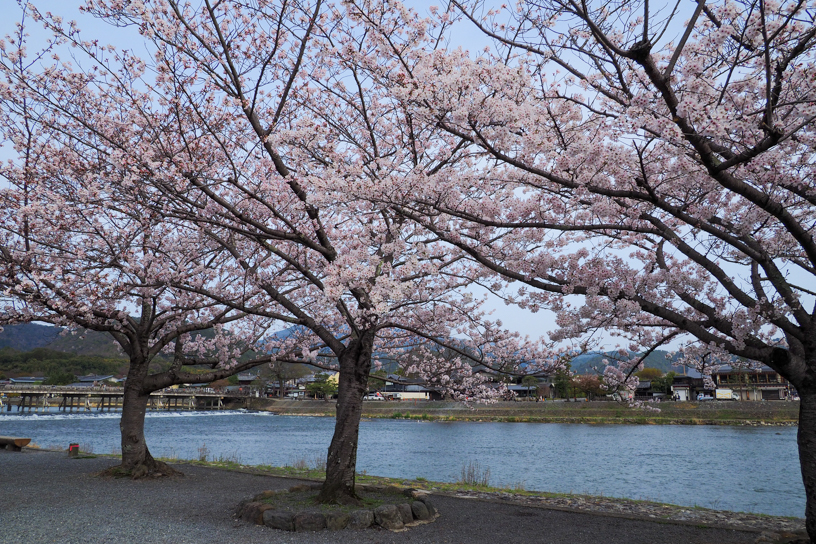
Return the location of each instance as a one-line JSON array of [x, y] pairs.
[[474, 485], [671, 413]]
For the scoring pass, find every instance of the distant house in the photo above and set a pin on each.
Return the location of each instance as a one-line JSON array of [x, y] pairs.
[[523, 390], [688, 387], [28, 380], [644, 390], [763, 383], [315, 376], [246, 378], [298, 392], [93, 380], [401, 388], [98, 378], [293, 388], [273, 388], [543, 387]]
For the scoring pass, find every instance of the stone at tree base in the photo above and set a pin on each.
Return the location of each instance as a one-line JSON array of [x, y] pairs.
[[336, 521], [361, 519], [276, 519], [418, 494], [253, 512], [393, 517], [429, 505], [310, 521], [388, 517], [406, 513], [420, 511], [244, 507], [239, 512]]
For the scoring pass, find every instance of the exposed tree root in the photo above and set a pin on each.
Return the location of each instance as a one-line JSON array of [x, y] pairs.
[[340, 498], [147, 470]]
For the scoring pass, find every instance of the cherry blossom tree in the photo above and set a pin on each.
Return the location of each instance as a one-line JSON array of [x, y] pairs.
[[358, 279], [82, 247], [246, 131], [655, 161]]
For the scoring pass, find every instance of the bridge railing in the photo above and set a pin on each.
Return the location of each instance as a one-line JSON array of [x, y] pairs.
[[113, 390]]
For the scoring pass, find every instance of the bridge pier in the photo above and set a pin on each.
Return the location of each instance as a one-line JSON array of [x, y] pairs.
[[110, 399], [111, 402], [33, 401]]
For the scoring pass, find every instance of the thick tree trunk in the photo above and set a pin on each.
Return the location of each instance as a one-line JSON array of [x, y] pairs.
[[134, 410], [341, 463], [807, 456], [136, 459]]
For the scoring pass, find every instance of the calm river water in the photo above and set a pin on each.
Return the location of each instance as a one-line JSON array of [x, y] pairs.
[[752, 469]]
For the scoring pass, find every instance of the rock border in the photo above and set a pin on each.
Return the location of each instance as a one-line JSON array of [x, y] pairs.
[[393, 517]]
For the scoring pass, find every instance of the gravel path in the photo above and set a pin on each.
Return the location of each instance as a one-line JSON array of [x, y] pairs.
[[47, 497]]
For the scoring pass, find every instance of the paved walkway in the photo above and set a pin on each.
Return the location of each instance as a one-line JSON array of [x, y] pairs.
[[47, 497]]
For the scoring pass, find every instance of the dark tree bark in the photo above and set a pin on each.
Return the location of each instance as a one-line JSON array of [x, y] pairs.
[[355, 366], [134, 409], [136, 459], [806, 439]]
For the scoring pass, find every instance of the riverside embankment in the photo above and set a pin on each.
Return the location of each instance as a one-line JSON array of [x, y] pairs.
[[597, 412], [57, 499], [663, 463]]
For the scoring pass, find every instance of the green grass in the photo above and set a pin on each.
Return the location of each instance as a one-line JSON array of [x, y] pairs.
[[597, 412]]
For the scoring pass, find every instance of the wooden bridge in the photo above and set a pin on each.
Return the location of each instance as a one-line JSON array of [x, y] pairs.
[[38, 398]]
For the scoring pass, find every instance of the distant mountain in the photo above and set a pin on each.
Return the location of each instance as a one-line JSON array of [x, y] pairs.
[[587, 363], [85, 342], [29, 336], [42, 349]]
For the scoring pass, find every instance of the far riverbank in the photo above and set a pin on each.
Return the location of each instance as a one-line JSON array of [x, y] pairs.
[[751, 413]]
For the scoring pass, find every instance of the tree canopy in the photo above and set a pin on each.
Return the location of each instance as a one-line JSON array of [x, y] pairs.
[[637, 169]]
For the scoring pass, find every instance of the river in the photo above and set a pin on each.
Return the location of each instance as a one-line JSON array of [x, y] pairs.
[[750, 469]]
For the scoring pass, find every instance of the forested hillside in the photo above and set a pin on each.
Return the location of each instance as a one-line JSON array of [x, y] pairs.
[[31, 349], [47, 362], [29, 336]]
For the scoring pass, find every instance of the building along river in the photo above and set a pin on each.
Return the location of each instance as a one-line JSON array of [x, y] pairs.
[[751, 469]]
